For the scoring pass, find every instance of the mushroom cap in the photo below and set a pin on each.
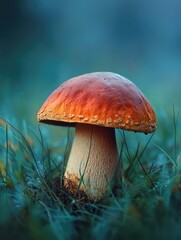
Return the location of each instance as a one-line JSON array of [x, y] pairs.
[[101, 98]]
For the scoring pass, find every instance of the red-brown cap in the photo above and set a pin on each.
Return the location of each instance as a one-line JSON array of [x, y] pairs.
[[100, 98]]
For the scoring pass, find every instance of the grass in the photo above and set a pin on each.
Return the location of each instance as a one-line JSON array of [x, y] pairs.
[[145, 202]]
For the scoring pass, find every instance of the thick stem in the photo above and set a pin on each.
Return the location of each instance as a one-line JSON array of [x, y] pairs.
[[93, 160]]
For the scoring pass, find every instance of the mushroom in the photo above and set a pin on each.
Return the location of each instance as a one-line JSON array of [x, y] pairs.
[[96, 104]]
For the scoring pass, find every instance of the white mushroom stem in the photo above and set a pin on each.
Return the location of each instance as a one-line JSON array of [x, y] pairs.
[[92, 161]]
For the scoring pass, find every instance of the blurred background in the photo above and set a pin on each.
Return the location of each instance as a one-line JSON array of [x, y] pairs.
[[43, 43]]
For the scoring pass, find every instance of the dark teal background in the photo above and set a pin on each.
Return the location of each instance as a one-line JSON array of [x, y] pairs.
[[43, 43]]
